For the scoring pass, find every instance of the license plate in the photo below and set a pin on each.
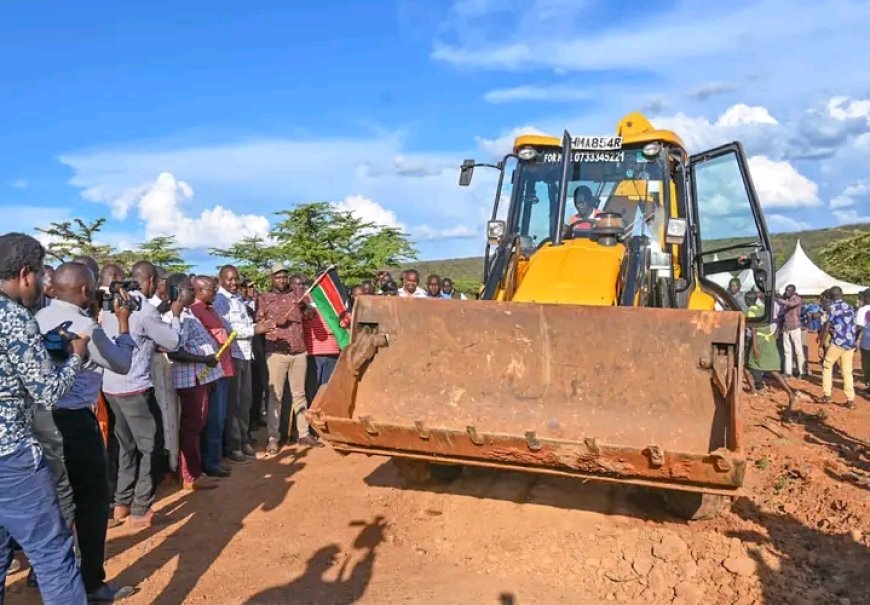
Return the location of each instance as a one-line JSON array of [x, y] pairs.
[[596, 143]]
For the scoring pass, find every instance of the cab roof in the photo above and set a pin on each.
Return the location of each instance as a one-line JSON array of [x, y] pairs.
[[633, 128]]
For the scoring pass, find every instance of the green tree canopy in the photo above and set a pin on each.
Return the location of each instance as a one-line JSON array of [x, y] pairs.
[[313, 236], [252, 257], [310, 237], [76, 238], [163, 252], [848, 259]]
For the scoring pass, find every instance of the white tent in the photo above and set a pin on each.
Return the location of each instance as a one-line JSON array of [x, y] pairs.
[[808, 278]]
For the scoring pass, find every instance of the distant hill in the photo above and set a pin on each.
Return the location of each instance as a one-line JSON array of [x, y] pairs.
[[467, 272]]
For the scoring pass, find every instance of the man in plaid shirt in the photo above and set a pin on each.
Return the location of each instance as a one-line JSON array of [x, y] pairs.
[[195, 356]]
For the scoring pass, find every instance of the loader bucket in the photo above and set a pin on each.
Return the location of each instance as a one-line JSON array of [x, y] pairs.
[[638, 395]]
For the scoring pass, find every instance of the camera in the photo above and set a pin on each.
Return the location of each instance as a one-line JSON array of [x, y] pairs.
[[108, 295], [57, 341]]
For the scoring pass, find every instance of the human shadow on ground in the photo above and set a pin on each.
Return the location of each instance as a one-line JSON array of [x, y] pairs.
[[799, 564], [351, 578], [852, 451], [547, 490], [211, 523]]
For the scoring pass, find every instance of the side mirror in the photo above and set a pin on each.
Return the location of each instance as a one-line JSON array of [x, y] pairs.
[[676, 233], [466, 171], [495, 230]]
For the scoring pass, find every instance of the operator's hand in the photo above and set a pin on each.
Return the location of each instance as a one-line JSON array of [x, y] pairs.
[[122, 311], [79, 346], [176, 307], [211, 361], [264, 327]]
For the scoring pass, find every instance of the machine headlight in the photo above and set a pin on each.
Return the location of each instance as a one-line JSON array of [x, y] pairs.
[[495, 230], [676, 233], [527, 153], [651, 150]]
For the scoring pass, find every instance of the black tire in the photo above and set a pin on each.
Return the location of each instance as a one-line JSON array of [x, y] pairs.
[[692, 506], [420, 472]]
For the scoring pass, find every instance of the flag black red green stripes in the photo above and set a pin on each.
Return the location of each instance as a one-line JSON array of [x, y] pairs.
[[330, 298]]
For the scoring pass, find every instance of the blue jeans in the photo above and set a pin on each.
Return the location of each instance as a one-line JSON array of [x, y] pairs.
[[30, 514], [213, 435]]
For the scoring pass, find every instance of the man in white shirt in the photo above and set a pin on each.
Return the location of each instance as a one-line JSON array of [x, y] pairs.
[[410, 285], [229, 305]]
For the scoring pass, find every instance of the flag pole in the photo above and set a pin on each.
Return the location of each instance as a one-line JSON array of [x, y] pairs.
[[318, 279]]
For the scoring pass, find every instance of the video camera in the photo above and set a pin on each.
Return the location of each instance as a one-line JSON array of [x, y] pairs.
[[108, 295]]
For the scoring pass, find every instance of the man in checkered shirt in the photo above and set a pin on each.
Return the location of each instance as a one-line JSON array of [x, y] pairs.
[[195, 356]]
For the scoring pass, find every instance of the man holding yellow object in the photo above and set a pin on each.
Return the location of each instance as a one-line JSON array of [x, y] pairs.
[[204, 289]]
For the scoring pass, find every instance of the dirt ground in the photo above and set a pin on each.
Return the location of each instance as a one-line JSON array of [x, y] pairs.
[[315, 527]]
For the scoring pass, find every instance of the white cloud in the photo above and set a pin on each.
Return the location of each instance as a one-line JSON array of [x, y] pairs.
[[780, 185], [843, 108], [428, 233], [369, 211], [552, 94], [268, 175], [740, 114], [504, 144], [689, 35], [18, 184], [160, 207], [753, 125], [859, 190], [851, 217], [780, 223]]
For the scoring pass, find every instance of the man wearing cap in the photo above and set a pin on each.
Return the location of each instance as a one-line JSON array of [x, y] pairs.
[[286, 354]]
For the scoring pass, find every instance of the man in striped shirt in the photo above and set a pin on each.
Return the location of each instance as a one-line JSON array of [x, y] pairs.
[[322, 349], [194, 358]]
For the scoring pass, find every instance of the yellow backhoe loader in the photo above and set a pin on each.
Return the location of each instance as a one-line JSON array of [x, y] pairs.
[[598, 349]]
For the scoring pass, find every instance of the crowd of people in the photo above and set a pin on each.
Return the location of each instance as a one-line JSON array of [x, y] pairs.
[[112, 382], [780, 349]]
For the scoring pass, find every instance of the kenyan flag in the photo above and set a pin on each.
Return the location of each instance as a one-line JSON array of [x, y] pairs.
[[330, 297]]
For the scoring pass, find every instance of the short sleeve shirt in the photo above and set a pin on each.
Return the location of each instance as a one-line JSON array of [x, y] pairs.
[[841, 316]]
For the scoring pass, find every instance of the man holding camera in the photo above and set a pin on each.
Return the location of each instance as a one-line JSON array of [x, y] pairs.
[[29, 510], [138, 424], [83, 451]]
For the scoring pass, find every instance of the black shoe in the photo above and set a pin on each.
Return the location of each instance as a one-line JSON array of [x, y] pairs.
[[107, 594], [247, 450], [310, 441], [238, 457], [220, 472]]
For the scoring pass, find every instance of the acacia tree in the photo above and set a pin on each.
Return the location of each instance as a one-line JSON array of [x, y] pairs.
[[316, 235], [313, 236], [848, 259], [253, 256], [76, 238], [163, 252]]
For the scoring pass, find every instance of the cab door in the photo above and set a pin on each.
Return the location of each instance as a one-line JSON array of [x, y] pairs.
[[729, 232]]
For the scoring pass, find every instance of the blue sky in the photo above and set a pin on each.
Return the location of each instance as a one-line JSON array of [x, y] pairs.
[[200, 120]]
